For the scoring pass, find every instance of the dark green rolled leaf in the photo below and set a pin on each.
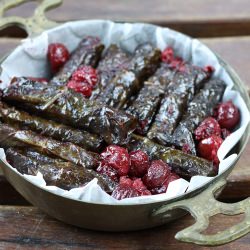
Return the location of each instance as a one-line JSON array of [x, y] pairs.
[[183, 82], [50, 128], [112, 62], [55, 172], [12, 137], [120, 89], [145, 105], [145, 61]]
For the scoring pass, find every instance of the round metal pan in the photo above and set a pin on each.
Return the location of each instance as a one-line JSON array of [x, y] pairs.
[[201, 203]]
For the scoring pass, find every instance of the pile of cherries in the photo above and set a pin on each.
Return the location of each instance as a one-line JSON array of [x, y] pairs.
[[213, 130], [135, 174]]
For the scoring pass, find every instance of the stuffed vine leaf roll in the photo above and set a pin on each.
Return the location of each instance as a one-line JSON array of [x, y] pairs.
[[55, 172], [50, 128]]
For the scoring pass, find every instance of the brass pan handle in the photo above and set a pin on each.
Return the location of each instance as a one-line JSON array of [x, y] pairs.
[[202, 207], [33, 25]]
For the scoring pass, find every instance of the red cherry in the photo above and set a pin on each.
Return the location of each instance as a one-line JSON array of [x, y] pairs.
[[209, 69], [116, 157], [167, 55], [173, 177], [125, 180], [136, 183], [173, 62], [140, 187], [164, 187], [58, 54], [208, 148], [207, 128], [85, 74], [80, 87], [128, 188], [110, 172], [139, 163], [228, 115], [156, 174], [123, 191], [177, 63]]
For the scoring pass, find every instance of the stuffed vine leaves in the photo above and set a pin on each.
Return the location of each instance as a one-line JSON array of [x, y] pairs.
[[12, 137], [50, 128], [71, 108], [55, 172]]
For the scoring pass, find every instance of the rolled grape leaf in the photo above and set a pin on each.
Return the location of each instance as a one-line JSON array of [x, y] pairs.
[[113, 61], [199, 75], [145, 105], [119, 90], [145, 61], [55, 172], [50, 128], [12, 137]]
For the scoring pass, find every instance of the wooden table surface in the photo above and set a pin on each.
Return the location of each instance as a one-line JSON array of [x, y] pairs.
[[225, 27]]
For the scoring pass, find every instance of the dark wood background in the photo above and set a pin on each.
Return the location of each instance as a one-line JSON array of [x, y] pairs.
[[225, 27]]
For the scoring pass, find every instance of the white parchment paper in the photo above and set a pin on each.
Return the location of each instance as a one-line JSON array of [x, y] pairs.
[[29, 59]]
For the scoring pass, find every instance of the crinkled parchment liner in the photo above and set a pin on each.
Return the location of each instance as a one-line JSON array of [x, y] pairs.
[[29, 59]]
